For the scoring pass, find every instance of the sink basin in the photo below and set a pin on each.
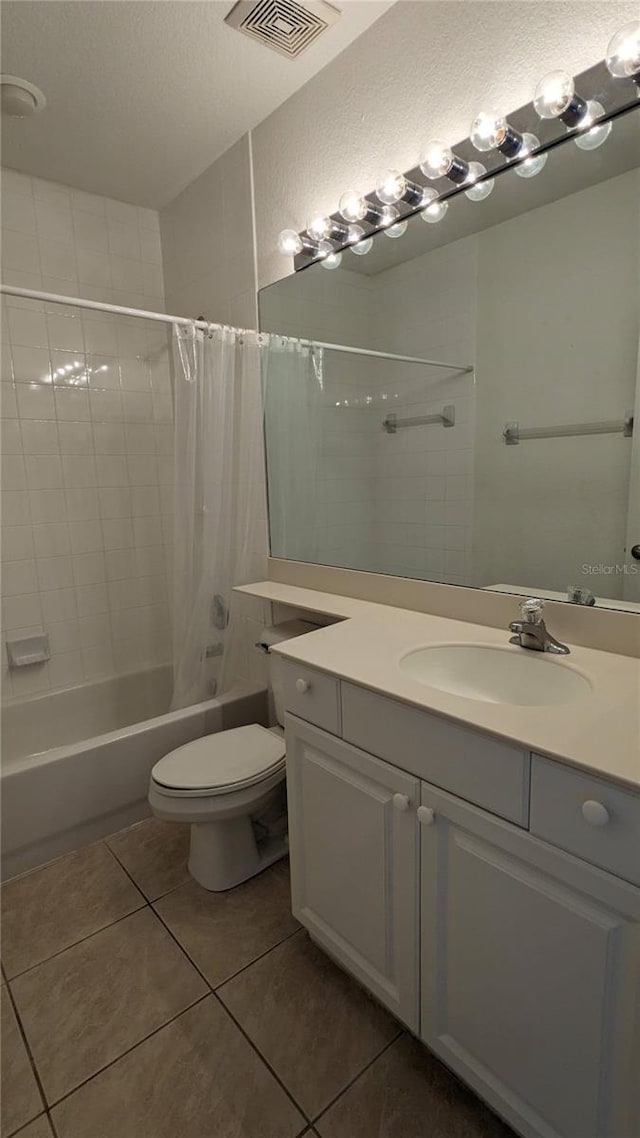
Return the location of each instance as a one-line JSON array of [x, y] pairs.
[[496, 675]]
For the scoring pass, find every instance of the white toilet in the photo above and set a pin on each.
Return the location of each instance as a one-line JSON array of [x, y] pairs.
[[231, 788]]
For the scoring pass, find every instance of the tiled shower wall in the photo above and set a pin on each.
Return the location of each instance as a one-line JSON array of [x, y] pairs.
[[86, 437]]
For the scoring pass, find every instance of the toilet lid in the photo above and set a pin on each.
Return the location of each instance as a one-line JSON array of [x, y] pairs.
[[228, 760]]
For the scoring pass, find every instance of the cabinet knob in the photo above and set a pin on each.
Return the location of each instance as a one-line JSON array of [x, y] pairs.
[[426, 815], [302, 686], [595, 813], [401, 802]]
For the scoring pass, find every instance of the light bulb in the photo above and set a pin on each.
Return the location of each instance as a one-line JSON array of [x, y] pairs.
[[623, 52], [331, 261], [478, 191], [534, 164], [363, 247], [436, 159], [394, 187], [388, 216], [436, 209], [319, 227], [290, 243], [396, 230], [554, 94], [491, 131], [355, 233], [591, 137], [556, 98], [487, 130], [352, 206], [391, 187], [325, 249]]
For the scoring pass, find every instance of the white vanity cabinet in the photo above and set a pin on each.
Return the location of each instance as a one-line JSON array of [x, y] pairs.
[[353, 836], [516, 960], [529, 974]]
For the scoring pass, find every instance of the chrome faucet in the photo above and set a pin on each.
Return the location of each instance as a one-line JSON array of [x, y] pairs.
[[531, 632]]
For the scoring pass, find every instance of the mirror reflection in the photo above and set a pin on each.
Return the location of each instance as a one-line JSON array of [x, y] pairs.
[[484, 434]]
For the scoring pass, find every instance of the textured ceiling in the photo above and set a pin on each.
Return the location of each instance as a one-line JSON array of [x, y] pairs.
[[142, 95]]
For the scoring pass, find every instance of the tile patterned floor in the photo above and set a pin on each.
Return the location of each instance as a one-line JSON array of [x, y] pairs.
[[137, 1005]]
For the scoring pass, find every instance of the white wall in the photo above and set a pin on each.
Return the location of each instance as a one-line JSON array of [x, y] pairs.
[[422, 71], [86, 437], [208, 246]]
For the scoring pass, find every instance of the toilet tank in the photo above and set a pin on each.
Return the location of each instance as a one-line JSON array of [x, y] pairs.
[[277, 634]]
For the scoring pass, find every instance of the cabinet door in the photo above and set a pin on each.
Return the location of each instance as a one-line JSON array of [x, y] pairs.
[[530, 974], [353, 836]]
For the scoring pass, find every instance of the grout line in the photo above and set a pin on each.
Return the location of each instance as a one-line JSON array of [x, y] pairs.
[[27, 1048], [214, 993], [81, 940], [52, 1124], [260, 956], [266, 1062], [128, 1051], [350, 1084], [232, 976], [211, 991]]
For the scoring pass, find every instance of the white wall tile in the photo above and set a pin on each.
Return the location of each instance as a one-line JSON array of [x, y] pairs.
[[19, 577], [60, 604], [54, 573], [17, 543], [44, 471], [39, 437], [67, 431], [21, 610], [86, 536], [51, 539], [35, 401], [31, 365], [47, 506]]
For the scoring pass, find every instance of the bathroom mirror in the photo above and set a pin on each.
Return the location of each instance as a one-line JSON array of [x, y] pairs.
[[506, 457]]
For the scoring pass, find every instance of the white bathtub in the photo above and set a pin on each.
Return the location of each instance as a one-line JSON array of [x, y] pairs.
[[76, 763]]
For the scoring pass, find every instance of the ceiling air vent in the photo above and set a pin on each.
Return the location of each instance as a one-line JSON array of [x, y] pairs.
[[284, 25]]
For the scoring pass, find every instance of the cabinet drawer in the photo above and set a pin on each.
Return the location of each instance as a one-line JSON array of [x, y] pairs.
[[311, 695], [558, 797], [479, 768]]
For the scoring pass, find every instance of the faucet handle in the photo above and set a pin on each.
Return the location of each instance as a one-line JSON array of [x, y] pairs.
[[531, 609]]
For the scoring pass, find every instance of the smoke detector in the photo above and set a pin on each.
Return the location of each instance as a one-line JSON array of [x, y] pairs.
[[19, 98], [286, 26]]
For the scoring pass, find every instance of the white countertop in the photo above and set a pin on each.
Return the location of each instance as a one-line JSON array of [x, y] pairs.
[[599, 732]]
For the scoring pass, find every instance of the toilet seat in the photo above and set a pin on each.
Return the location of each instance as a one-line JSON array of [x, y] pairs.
[[220, 764]]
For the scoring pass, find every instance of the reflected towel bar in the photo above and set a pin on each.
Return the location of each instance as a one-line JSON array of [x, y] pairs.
[[447, 418], [513, 433]]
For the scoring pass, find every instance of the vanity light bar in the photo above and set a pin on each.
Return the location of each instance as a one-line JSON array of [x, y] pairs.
[[521, 141]]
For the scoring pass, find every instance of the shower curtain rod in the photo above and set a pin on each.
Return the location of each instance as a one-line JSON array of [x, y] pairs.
[[162, 318]]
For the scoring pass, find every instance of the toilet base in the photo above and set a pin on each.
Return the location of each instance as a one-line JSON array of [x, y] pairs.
[[227, 853]]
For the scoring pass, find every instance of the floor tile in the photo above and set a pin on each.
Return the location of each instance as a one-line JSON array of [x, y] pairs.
[[311, 1022], [85, 1007], [408, 1092], [155, 854], [223, 932], [38, 1129], [53, 907], [197, 1078], [21, 1099]]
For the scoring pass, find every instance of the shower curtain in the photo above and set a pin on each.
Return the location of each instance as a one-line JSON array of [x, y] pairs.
[[220, 537]]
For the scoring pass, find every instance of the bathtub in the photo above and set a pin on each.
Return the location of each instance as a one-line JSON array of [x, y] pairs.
[[76, 762]]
